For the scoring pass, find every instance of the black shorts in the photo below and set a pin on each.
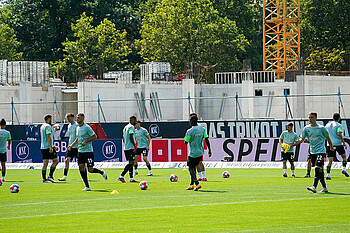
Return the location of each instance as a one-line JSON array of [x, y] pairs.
[[47, 155], [86, 157], [287, 156], [317, 159], [129, 155], [141, 151], [3, 157], [193, 162], [73, 153], [339, 149]]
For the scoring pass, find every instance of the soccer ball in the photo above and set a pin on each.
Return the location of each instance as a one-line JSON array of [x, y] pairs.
[[173, 177], [225, 174], [14, 188], [56, 127], [143, 185]]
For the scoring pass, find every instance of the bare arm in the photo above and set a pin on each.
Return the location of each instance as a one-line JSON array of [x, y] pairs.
[[73, 144], [330, 143], [90, 139], [8, 144], [281, 141], [340, 135], [131, 138], [208, 145], [50, 142], [148, 141]]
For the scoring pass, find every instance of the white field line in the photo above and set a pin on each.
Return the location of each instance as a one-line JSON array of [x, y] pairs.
[[166, 207]]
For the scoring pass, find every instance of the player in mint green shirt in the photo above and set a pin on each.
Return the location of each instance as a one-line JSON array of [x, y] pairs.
[[48, 151], [143, 140], [194, 136], [73, 152], [316, 134], [335, 131], [290, 138], [5, 137], [85, 136]]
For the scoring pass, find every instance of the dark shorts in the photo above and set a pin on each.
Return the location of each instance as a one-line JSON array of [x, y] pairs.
[[287, 156], [86, 157], [47, 155], [193, 162], [317, 159], [141, 151], [339, 149], [73, 153], [129, 155], [3, 157]]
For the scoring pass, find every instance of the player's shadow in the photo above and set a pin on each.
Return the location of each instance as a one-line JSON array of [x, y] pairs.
[[213, 191], [101, 190], [340, 194], [17, 181]]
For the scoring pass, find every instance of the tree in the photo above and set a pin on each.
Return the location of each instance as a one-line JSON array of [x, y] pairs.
[[180, 31], [94, 45], [325, 59]]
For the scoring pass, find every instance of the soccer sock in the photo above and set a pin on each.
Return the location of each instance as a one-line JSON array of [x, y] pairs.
[[65, 173], [95, 170], [84, 177], [344, 164], [149, 167], [52, 170], [199, 175], [43, 173], [328, 170], [203, 174], [193, 175], [126, 169], [308, 172], [322, 178], [292, 172], [3, 172], [317, 176], [131, 168], [285, 170]]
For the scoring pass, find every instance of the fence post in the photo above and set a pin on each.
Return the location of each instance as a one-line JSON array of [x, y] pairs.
[[98, 108], [236, 106], [12, 106], [286, 103]]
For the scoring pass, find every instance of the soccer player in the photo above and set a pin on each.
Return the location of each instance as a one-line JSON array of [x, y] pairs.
[[195, 136], [143, 140], [316, 135], [85, 136], [73, 152], [48, 151], [289, 138], [129, 149], [335, 133], [5, 136]]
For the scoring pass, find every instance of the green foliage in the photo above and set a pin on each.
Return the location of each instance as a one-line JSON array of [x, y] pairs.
[[180, 32], [103, 44], [325, 59]]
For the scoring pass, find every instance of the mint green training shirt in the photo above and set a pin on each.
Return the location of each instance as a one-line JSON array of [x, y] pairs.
[[316, 136], [46, 129], [4, 137], [195, 136]]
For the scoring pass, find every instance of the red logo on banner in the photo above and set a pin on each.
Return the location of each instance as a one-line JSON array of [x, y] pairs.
[[178, 150], [160, 151]]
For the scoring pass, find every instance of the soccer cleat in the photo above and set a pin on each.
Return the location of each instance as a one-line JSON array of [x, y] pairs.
[[312, 189], [51, 180], [121, 179], [197, 187], [324, 190], [199, 179], [104, 175], [134, 181], [86, 189], [62, 179], [285, 175], [293, 175], [345, 173], [46, 181], [136, 173], [3, 180], [307, 176], [204, 179], [191, 187], [150, 174], [328, 178]]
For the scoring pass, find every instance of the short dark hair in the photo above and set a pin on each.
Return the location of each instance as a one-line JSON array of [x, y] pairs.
[[313, 113], [138, 122], [2, 122], [47, 116], [69, 115], [133, 117], [290, 124], [81, 114], [194, 117], [336, 116]]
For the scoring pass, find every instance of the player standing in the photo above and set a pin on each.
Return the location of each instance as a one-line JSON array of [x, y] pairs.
[[73, 152], [289, 138], [129, 149], [5, 136], [85, 136], [48, 151], [195, 136], [316, 135], [335, 133], [143, 140]]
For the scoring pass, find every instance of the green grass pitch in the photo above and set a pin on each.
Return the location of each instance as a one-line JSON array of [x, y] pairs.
[[251, 200]]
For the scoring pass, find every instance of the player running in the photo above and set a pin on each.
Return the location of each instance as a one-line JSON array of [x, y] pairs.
[[143, 140], [335, 131], [195, 136], [48, 151], [316, 135], [73, 152], [85, 136], [5, 136], [129, 149], [287, 141]]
